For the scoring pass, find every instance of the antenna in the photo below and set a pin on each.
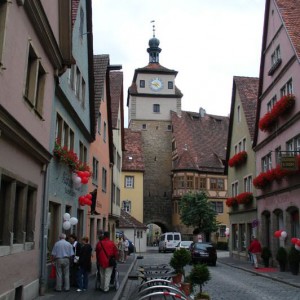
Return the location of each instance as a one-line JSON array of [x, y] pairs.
[[153, 21]]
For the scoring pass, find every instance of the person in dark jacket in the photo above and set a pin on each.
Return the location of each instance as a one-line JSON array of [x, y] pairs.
[[85, 265], [74, 259]]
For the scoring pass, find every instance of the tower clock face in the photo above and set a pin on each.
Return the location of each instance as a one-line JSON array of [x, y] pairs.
[[156, 84]]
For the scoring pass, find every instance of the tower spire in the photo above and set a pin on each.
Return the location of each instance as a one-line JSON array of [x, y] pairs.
[[153, 49]]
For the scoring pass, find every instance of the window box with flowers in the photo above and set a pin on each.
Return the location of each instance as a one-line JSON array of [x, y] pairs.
[[69, 158], [238, 159], [281, 107], [232, 202], [244, 198]]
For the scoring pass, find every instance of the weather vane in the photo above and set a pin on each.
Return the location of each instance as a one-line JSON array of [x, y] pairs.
[[153, 21]]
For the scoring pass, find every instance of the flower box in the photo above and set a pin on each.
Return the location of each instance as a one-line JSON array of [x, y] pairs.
[[231, 202], [244, 198], [237, 159], [280, 108]]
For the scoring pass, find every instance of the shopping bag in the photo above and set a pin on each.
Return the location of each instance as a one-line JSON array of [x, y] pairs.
[[53, 272]]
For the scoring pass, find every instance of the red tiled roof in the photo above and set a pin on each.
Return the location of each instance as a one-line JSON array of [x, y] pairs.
[[116, 87], [100, 66], [290, 12], [75, 5], [200, 141], [127, 221], [248, 90], [133, 159]]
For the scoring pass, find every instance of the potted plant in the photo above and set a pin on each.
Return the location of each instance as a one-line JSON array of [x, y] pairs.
[[178, 261], [266, 254], [294, 259], [281, 257], [199, 275]]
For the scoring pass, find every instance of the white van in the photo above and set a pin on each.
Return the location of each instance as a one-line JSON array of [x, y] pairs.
[[168, 241]]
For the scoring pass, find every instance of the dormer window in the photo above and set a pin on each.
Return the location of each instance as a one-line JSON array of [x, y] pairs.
[[275, 61], [170, 85]]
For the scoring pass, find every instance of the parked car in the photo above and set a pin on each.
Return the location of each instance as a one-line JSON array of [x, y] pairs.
[[184, 244], [168, 241], [203, 253]]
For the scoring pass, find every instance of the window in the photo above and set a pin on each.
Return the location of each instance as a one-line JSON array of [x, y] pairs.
[[71, 78], [275, 56], [170, 85], [278, 155], [95, 169], [144, 126], [293, 146], [99, 123], [156, 108], [81, 24], [222, 230], [169, 127], [64, 134], [217, 184], [271, 103], [239, 114], [217, 206], [113, 193], [266, 163], [77, 82], [35, 81], [104, 132], [190, 182], [129, 181], [3, 16], [104, 180], [17, 211], [234, 188], [180, 182], [118, 161], [142, 83], [118, 196], [248, 184], [83, 93], [126, 205], [82, 153], [202, 183], [287, 88]]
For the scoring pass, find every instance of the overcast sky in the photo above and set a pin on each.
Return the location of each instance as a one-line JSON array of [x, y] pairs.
[[206, 41]]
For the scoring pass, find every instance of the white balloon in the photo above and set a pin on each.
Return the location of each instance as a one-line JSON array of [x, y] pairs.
[[66, 225], [74, 176], [297, 247], [67, 217], [283, 234], [77, 179], [227, 229], [77, 185], [73, 221]]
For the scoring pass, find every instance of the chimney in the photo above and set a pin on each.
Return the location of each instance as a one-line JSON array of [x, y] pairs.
[[202, 112]]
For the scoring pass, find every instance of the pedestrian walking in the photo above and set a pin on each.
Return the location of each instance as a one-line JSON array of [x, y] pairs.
[[105, 250], [121, 249], [126, 248], [74, 266], [255, 250], [61, 254], [85, 265]]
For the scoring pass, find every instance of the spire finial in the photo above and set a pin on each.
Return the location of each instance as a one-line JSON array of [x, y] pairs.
[[153, 21]]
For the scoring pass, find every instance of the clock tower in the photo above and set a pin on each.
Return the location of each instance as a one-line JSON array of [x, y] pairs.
[[151, 98]]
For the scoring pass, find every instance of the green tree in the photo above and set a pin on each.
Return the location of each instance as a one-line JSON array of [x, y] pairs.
[[196, 211]]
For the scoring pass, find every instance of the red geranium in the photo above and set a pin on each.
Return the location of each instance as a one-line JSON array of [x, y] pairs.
[[244, 198], [281, 107], [230, 202], [238, 159]]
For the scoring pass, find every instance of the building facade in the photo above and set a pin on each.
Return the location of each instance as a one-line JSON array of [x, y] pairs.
[[241, 166]]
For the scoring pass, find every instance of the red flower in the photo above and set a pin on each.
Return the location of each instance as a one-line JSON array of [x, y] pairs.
[[281, 107], [230, 202], [244, 198], [238, 159]]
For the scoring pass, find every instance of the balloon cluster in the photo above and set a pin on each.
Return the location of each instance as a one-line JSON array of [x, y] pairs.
[[280, 234], [68, 221], [80, 177], [296, 242], [227, 232], [85, 200]]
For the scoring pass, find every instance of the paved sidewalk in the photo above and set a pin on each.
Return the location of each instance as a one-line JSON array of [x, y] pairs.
[[272, 272]]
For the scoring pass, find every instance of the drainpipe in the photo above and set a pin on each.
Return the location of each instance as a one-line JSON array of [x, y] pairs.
[[44, 234]]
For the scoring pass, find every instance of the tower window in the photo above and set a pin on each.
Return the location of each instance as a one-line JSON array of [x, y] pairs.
[[142, 83], [170, 85], [156, 108], [144, 126]]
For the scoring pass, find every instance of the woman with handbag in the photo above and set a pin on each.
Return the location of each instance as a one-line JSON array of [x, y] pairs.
[[107, 255]]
